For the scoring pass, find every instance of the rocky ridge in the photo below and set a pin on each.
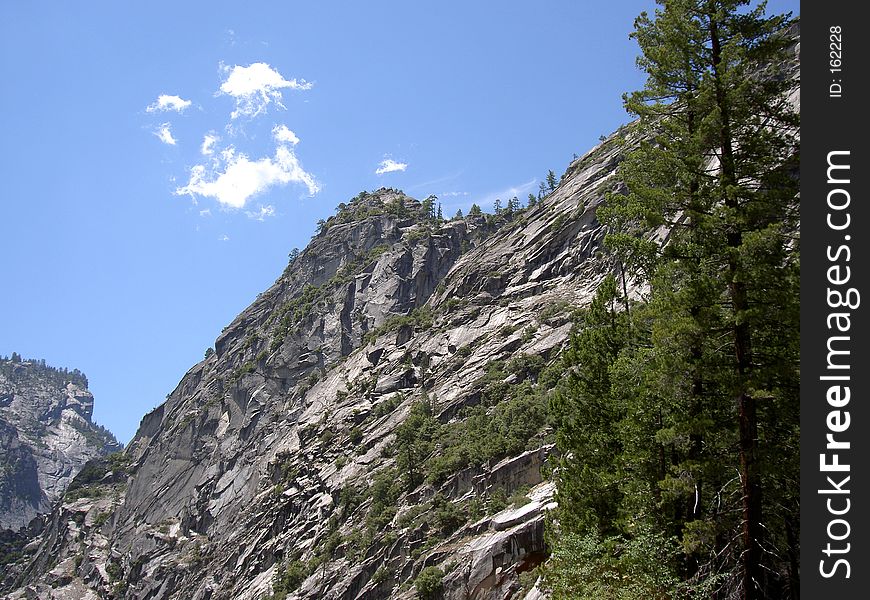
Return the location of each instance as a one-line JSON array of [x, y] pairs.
[[245, 470], [46, 435]]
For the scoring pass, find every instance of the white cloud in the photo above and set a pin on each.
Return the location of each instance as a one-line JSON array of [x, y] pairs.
[[208, 142], [228, 153], [205, 212], [256, 86], [388, 165], [164, 134], [243, 178], [262, 214], [224, 238], [282, 134], [165, 103]]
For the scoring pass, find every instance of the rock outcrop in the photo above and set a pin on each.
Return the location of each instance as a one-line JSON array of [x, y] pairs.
[[46, 436]]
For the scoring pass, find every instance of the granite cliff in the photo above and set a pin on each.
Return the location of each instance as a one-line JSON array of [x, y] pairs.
[[46, 435], [274, 465]]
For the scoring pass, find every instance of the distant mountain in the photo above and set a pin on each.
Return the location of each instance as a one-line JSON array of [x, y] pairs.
[[46, 436]]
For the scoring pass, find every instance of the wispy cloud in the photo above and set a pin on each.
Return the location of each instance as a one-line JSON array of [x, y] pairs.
[[428, 185], [388, 165], [166, 103], [452, 194], [164, 134], [205, 212], [255, 87], [284, 135], [520, 191], [262, 214], [234, 178], [224, 238], [208, 142]]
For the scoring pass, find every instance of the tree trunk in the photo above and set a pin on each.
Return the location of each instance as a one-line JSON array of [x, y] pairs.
[[750, 558]]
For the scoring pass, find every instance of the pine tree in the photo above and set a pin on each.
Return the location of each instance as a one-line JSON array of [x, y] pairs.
[[475, 211], [717, 171], [552, 182], [532, 201], [588, 494], [413, 442], [428, 208]]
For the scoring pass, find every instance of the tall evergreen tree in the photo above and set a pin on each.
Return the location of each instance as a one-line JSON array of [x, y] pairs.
[[428, 207], [588, 494], [716, 171], [705, 384]]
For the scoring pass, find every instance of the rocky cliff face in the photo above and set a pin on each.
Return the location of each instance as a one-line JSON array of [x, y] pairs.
[[46, 437], [274, 466], [270, 466]]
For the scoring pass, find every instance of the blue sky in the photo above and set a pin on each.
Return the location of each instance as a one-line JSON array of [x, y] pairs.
[[159, 161]]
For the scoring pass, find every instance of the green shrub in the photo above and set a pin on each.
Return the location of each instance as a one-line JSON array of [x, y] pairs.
[[326, 437], [507, 330], [114, 571], [381, 575], [421, 319], [520, 496], [385, 491], [644, 566], [526, 366], [498, 501], [447, 517], [101, 518], [288, 579], [87, 491], [429, 583], [386, 406], [520, 414]]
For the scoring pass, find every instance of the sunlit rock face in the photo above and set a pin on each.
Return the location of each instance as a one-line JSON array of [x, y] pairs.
[[46, 437]]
